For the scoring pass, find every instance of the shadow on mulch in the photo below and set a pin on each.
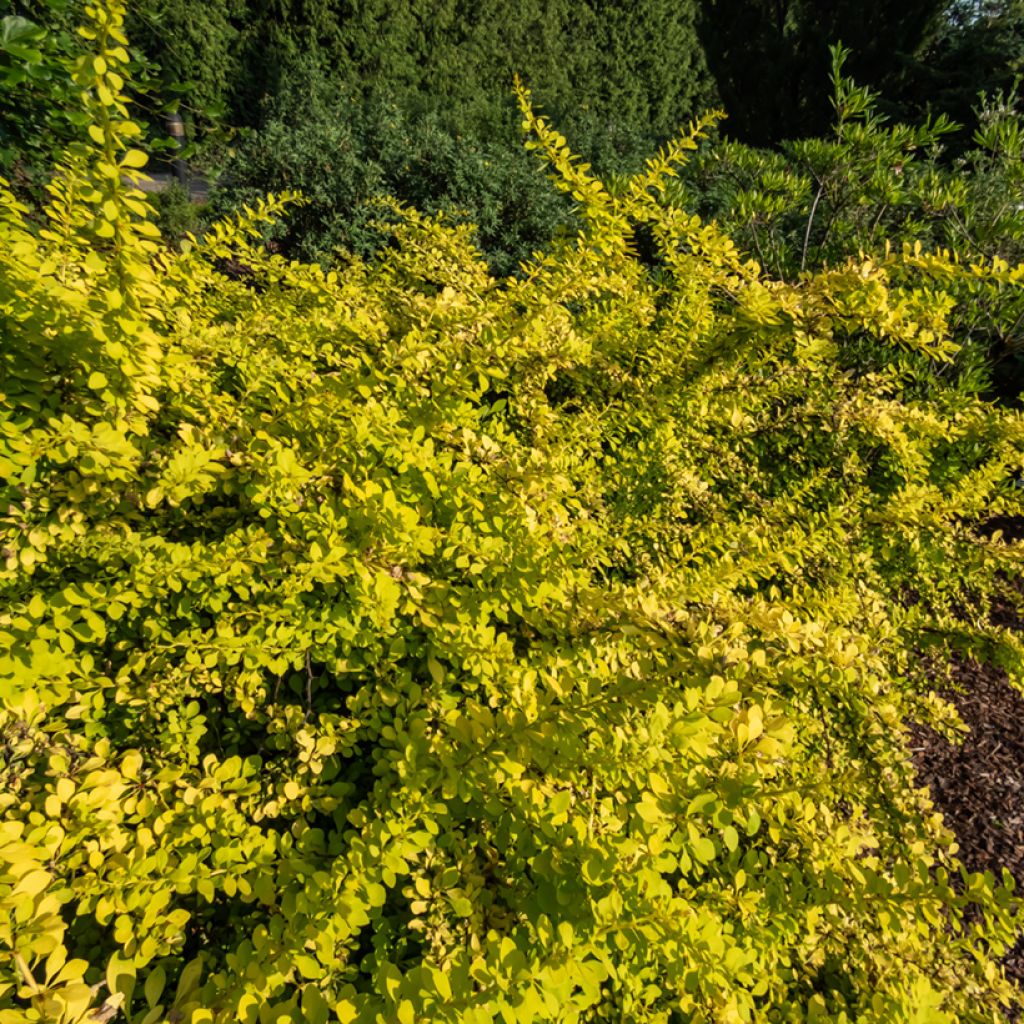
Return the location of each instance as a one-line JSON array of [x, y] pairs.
[[979, 785]]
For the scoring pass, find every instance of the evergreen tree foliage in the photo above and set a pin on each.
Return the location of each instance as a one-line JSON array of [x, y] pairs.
[[769, 56], [648, 73], [977, 48], [405, 644], [195, 45], [347, 152], [618, 66], [275, 36]]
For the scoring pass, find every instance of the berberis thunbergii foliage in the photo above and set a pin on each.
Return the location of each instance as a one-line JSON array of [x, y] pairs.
[[398, 644]]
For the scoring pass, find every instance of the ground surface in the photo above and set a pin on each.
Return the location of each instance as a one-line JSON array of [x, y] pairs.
[[979, 786], [198, 187]]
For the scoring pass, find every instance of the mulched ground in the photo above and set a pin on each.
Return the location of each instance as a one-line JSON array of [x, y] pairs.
[[979, 786]]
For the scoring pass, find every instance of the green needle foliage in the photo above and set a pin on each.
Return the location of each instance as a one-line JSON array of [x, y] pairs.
[[402, 644], [350, 102], [347, 154], [769, 56]]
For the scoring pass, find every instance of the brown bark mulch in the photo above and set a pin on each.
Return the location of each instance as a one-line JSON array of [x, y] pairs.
[[979, 785]]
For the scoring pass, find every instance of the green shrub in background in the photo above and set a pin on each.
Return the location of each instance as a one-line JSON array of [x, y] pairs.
[[39, 118], [412, 645], [346, 154], [178, 217], [34, 125], [876, 185]]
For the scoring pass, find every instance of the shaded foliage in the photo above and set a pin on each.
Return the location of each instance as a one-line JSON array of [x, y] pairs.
[[769, 57], [873, 184], [978, 48], [347, 153], [34, 99]]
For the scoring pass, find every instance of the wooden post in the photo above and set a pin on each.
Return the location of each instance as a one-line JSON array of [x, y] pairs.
[[176, 129]]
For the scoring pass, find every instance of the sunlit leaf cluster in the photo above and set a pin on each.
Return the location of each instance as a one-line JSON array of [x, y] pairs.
[[396, 643]]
